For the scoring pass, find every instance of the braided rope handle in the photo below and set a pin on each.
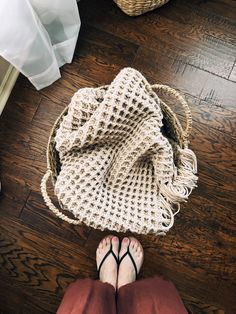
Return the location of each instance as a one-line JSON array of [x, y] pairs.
[[49, 203], [172, 92]]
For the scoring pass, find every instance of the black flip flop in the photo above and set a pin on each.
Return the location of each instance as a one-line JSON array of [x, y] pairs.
[[132, 260], [105, 257]]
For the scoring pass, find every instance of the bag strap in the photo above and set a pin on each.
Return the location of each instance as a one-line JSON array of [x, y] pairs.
[[49, 203], [172, 92]]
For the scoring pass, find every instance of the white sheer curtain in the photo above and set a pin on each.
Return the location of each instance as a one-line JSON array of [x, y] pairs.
[[38, 36]]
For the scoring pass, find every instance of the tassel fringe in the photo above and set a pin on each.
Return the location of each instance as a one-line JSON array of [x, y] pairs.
[[178, 190]]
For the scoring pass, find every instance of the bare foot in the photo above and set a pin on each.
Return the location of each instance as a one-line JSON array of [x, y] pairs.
[[109, 269], [127, 272]]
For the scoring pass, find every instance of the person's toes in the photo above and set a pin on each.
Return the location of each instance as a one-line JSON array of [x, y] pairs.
[[107, 242], [115, 245], [126, 269], [135, 246], [99, 248], [135, 242], [104, 242], [100, 245], [124, 247], [132, 244], [108, 268]]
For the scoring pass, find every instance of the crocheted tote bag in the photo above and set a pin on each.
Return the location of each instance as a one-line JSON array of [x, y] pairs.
[[119, 158]]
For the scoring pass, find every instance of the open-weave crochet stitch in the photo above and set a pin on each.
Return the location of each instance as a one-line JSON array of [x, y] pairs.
[[119, 168]]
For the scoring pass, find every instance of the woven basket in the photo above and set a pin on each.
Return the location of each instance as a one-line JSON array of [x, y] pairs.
[[171, 127], [138, 7]]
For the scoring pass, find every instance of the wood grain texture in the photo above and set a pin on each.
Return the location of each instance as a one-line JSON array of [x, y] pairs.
[[232, 75], [157, 29], [216, 91], [46, 266], [189, 45], [36, 215]]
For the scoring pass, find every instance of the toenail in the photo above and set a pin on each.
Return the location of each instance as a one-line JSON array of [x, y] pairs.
[[126, 239], [115, 238]]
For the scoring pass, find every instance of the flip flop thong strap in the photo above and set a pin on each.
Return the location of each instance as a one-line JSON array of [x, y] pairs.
[[132, 260], [105, 257]]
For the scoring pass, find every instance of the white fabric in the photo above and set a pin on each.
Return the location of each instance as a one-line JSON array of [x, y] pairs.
[[39, 36]]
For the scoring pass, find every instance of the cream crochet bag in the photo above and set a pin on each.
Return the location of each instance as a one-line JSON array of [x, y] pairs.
[[119, 158]]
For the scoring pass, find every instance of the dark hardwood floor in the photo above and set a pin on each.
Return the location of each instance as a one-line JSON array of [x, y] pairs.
[[189, 45]]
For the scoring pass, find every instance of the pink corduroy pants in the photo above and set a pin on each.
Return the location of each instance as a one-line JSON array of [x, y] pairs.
[[148, 296]]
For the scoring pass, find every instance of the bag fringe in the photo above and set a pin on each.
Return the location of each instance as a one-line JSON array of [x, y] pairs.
[[178, 190]]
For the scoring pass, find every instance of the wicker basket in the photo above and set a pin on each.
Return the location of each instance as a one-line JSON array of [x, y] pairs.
[[171, 127], [138, 7]]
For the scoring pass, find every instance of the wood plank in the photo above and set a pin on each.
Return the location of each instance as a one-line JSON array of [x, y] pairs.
[[214, 115], [204, 19], [228, 284], [11, 303], [205, 241], [219, 148], [223, 8], [159, 68], [36, 306], [40, 266], [197, 307], [24, 156], [100, 55], [27, 143], [59, 92], [172, 36], [18, 107], [232, 76], [25, 169], [105, 46], [206, 113], [211, 187], [36, 215], [11, 204], [47, 113]]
